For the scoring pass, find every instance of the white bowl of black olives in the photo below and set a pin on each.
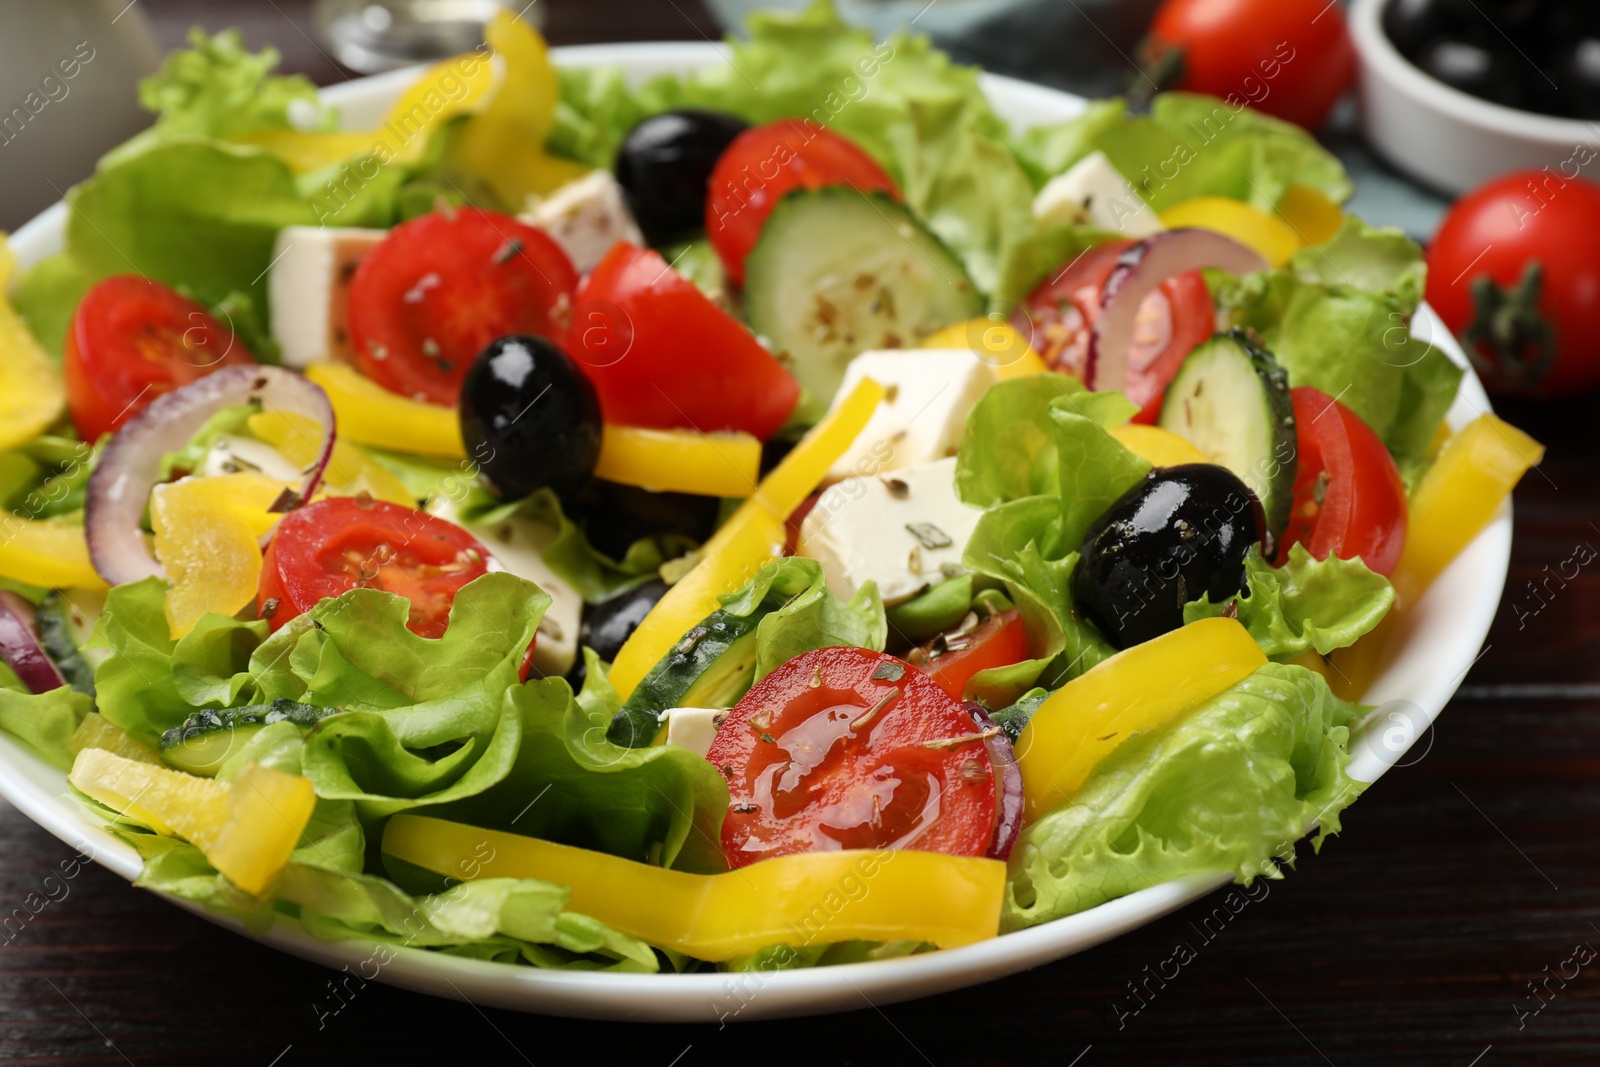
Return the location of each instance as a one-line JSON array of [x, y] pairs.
[[1455, 92]]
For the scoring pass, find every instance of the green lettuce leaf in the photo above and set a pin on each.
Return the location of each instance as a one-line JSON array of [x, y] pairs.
[[1228, 789], [1307, 604], [1376, 259], [43, 722], [810, 617]]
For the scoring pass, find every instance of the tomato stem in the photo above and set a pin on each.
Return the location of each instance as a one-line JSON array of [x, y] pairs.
[[1510, 342]]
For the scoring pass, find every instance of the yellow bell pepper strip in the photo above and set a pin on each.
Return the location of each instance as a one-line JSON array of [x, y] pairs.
[[350, 471], [449, 88], [1162, 448], [1458, 496], [1263, 231], [680, 461], [32, 394], [803, 899], [996, 342], [96, 731], [503, 145], [246, 829], [207, 533], [51, 554], [370, 414], [1310, 214], [753, 535], [1139, 689]]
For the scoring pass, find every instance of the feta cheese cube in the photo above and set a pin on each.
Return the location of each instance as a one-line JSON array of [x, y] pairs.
[[1093, 191], [693, 728], [904, 530], [229, 454], [308, 286], [586, 217], [929, 392]]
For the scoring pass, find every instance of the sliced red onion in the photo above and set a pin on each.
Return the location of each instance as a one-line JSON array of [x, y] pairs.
[[1139, 270], [1007, 780], [131, 462], [19, 646]]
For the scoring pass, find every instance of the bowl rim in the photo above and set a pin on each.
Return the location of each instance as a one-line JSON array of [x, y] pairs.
[[36, 788], [1377, 51]]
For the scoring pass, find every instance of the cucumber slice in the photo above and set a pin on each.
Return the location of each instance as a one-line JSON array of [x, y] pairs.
[[65, 627], [838, 272], [712, 666], [207, 738], [1230, 399]]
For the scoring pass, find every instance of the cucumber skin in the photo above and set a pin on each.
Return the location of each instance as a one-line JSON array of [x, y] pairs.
[[676, 680], [767, 277], [58, 642], [1285, 454]]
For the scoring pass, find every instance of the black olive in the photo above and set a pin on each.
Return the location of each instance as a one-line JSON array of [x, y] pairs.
[[529, 418], [1578, 74], [664, 167], [1486, 69], [608, 624], [1410, 24], [614, 516], [1179, 535]]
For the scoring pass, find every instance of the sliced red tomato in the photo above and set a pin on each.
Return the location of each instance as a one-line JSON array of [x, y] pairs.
[[1058, 315], [1349, 500], [433, 293], [762, 164], [662, 355], [952, 660], [337, 544], [133, 339], [849, 748]]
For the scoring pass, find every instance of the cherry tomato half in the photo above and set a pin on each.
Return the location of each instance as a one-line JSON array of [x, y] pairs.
[[1289, 58], [433, 293], [952, 659], [1057, 316], [133, 339], [662, 355], [333, 545], [762, 164], [848, 748], [1507, 277], [1349, 500]]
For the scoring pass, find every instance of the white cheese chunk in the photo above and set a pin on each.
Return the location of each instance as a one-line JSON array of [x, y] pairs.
[[1093, 192], [586, 217], [229, 454], [308, 286], [517, 545], [904, 530], [928, 393], [693, 728]]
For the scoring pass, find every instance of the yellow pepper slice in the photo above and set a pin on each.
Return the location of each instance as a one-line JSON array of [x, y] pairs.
[[247, 829], [680, 461], [96, 731], [350, 470], [1476, 469], [1263, 231], [206, 536], [996, 342], [753, 535], [1311, 215], [52, 554], [810, 898], [1162, 448], [503, 145], [449, 88], [370, 414], [1139, 689], [32, 394]]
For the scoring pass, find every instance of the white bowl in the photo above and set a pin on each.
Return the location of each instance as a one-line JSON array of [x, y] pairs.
[[1441, 136], [1438, 643]]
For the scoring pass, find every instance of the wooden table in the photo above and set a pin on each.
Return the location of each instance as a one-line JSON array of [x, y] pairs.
[[1413, 938]]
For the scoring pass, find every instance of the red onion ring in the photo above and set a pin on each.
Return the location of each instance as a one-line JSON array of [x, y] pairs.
[[1139, 271], [1007, 781], [131, 463], [19, 646]]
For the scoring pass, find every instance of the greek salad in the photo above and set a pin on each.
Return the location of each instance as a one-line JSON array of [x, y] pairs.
[[769, 516]]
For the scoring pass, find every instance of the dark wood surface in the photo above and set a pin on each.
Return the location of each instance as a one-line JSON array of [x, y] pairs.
[[1412, 939]]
